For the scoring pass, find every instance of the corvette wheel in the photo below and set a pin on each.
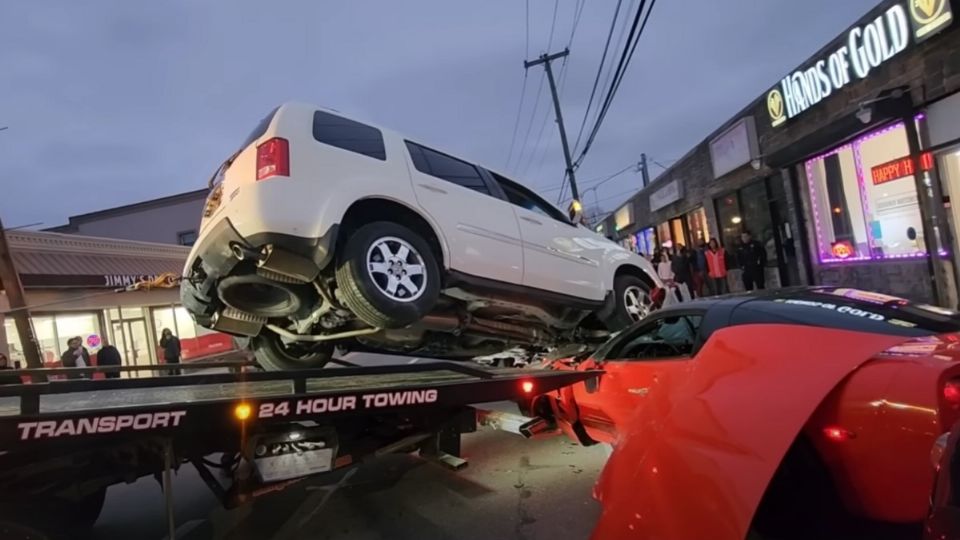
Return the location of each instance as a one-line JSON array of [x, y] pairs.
[[633, 302], [274, 354], [387, 275]]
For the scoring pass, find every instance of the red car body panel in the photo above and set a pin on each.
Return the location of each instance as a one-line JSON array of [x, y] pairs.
[[697, 441]]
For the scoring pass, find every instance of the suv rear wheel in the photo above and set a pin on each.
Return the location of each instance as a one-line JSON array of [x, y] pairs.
[[387, 275]]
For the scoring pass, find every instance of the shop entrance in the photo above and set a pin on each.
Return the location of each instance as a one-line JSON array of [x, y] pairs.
[[131, 337]]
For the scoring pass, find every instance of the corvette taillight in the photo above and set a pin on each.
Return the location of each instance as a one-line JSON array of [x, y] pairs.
[[951, 392], [273, 158]]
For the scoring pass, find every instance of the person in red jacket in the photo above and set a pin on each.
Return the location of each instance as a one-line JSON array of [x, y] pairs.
[[716, 267]]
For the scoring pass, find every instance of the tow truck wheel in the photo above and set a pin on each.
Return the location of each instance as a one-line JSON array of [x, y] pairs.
[[633, 302], [274, 354], [388, 275]]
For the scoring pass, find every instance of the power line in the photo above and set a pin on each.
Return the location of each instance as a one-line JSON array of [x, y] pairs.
[[536, 105], [632, 40], [596, 81], [523, 92], [593, 182]]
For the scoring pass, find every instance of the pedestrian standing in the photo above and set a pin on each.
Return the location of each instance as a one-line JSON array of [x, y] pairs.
[[699, 266], [109, 356], [7, 378], [682, 271], [75, 356], [752, 258], [171, 349], [716, 259]]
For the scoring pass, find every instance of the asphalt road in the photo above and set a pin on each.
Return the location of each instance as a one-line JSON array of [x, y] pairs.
[[512, 489]]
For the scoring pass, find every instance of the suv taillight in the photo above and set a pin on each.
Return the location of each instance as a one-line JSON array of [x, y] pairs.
[[273, 158]]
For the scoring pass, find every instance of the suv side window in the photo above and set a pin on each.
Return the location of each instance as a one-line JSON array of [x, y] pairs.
[[524, 198], [666, 337], [448, 168], [348, 135]]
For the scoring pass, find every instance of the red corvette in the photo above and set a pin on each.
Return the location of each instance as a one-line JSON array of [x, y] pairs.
[[799, 413]]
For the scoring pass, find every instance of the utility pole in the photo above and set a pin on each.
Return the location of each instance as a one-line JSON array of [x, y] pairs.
[[14, 291], [545, 59], [643, 169]]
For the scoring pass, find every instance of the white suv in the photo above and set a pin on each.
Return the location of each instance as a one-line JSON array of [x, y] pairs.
[[322, 231]]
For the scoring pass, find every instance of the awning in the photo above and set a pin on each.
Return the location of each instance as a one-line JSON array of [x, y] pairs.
[[53, 260]]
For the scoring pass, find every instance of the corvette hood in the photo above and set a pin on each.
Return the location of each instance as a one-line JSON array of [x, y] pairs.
[[694, 462]]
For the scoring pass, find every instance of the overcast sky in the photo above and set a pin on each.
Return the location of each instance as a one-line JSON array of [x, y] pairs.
[[110, 103]]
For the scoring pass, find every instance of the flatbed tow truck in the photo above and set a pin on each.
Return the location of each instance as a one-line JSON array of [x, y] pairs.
[[64, 442]]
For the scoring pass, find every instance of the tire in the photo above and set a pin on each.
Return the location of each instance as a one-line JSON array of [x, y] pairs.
[[274, 355], [368, 263], [632, 302]]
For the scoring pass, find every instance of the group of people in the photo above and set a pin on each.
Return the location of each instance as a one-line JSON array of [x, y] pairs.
[[702, 271], [77, 356]]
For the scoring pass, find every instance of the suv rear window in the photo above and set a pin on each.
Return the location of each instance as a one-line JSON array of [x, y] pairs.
[[446, 167], [348, 135], [260, 129]]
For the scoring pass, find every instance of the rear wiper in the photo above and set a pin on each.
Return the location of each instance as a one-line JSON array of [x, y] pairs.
[[223, 168]]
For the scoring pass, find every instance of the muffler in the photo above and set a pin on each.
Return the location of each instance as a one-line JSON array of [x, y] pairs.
[[257, 295]]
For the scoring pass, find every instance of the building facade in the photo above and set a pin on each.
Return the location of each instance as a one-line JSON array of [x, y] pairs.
[[70, 281], [168, 220], [843, 170]]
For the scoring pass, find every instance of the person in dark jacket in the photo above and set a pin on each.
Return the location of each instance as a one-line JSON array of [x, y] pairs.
[[109, 356], [4, 367], [752, 258], [681, 266], [171, 349], [76, 355]]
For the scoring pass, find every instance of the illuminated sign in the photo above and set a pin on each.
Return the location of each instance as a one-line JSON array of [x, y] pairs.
[[842, 249], [900, 168], [927, 17], [866, 48]]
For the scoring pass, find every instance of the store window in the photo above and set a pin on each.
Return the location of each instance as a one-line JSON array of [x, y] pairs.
[[676, 230], [646, 241], [864, 206], [195, 340], [664, 235], [52, 333], [729, 219], [950, 174], [697, 225]]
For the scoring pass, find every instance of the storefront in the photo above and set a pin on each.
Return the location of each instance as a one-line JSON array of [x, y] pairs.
[[68, 281], [850, 130]]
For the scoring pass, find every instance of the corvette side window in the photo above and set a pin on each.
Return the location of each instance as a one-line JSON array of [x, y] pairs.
[[667, 337]]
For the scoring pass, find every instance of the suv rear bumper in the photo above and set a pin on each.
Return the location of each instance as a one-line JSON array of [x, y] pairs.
[[212, 258]]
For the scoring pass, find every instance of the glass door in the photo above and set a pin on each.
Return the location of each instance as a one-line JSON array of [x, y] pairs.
[[130, 337], [783, 233]]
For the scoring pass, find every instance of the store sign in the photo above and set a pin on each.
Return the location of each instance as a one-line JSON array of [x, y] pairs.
[[669, 193], [866, 48], [735, 147], [900, 168], [91, 281], [624, 217], [927, 17]]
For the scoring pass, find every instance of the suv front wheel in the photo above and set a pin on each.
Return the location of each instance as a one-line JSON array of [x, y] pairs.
[[387, 275]]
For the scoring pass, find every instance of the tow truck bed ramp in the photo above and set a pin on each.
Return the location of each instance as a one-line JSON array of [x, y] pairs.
[[187, 405]]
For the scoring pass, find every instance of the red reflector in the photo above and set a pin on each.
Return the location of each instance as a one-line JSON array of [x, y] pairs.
[[527, 386], [273, 158], [951, 392], [836, 434]]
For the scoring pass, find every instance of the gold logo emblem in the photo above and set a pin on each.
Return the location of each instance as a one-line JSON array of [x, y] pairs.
[[775, 107], [924, 11], [929, 17]]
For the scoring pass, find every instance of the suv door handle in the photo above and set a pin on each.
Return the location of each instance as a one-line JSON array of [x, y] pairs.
[[531, 220], [433, 188]]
